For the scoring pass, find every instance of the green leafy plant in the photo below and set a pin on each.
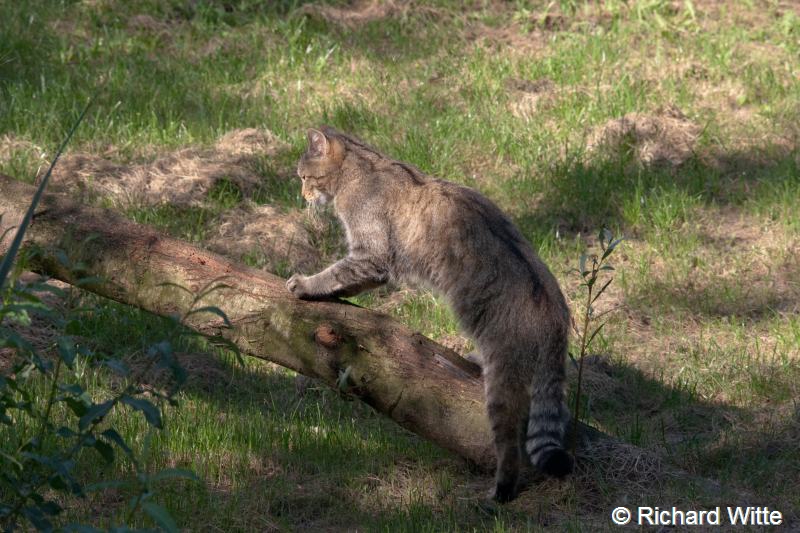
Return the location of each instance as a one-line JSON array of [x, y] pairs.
[[48, 414], [47, 433], [591, 268]]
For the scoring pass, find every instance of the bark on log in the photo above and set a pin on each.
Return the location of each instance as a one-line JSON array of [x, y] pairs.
[[423, 386]]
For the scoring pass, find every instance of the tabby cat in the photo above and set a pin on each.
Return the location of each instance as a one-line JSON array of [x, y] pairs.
[[404, 226]]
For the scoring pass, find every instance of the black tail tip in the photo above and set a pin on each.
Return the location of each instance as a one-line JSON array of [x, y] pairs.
[[557, 463]]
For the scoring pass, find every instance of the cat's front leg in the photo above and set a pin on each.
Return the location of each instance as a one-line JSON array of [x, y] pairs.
[[347, 277], [298, 286]]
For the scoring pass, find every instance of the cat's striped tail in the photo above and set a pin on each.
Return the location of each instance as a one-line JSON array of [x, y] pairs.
[[547, 423]]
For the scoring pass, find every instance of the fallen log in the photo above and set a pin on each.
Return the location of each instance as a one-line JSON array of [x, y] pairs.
[[423, 386]]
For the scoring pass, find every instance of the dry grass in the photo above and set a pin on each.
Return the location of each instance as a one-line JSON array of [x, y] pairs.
[[281, 239], [357, 13], [666, 138], [180, 178]]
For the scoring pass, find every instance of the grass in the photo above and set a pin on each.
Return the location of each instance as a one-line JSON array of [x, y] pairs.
[[702, 355]]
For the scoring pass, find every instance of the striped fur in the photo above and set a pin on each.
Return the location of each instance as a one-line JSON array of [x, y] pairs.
[[405, 227]]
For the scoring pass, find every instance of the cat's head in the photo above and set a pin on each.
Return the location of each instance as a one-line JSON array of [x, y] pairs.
[[319, 167]]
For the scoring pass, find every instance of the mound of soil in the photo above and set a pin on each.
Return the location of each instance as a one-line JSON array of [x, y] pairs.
[[529, 96], [355, 14], [180, 178], [146, 23], [665, 138], [264, 233]]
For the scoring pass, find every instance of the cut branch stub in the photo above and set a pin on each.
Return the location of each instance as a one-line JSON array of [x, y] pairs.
[[328, 337]]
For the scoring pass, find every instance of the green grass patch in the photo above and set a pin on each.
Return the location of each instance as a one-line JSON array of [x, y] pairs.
[[702, 350]]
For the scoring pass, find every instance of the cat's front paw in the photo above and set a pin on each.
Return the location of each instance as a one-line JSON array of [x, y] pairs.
[[297, 286]]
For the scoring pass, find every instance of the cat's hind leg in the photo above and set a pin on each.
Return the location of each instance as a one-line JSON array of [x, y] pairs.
[[506, 404]]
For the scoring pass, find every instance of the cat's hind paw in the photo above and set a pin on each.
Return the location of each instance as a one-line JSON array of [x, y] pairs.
[[504, 492]]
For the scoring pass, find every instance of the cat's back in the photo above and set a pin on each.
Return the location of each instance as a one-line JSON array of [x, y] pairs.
[[459, 229], [436, 226], [456, 215]]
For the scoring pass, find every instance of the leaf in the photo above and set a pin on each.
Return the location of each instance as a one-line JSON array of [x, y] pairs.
[[662, 24], [11, 339], [57, 482], [161, 516], [126, 529], [210, 309], [150, 411], [66, 350], [119, 367], [611, 247], [175, 473], [50, 508], [582, 267], [41, 459], [29, 308], [116, 438], [602, 289], [95, 412], [73, 388], [605, 237], [572, 358], [591, 338], [76, 406], [66, 432], [105, 450], [37, 518], [43, 286], [162, 350], [7, 231], [62, 258]]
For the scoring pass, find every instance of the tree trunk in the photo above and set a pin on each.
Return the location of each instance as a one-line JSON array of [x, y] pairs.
[[423, 386]]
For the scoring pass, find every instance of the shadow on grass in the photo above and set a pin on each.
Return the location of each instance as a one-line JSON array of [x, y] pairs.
[[271, 456], [581, 196], [375, 476], [659, 203]]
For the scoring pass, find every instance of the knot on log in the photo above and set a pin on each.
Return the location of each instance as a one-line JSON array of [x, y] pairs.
[[326, 336]]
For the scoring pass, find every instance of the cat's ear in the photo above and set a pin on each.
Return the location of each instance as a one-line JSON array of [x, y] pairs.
[[318, 144]]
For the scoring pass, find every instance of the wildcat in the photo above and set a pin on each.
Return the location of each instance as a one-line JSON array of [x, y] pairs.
[[404, 226]]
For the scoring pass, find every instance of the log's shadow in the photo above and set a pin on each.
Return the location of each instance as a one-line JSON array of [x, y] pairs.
[[667, 443]]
